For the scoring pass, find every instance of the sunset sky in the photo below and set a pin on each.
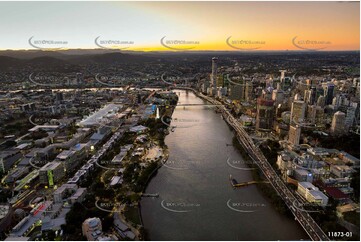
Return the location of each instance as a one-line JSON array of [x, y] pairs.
[[333, 25]]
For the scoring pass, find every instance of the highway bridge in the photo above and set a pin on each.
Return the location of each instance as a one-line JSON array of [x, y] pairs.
[[302, 216]]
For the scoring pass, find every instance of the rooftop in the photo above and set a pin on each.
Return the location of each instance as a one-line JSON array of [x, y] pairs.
[[65, 154], [50, 166], [95, 118], [307, 185]]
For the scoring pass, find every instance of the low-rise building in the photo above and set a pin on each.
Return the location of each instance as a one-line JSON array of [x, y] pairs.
[[78, 196], [51, 173], [318, 151], [138, 129], [342, 171], [349, 159], [122, 229], [92, 228], [72, 158], [303, 175], [10, 238], [8, 159], [61, 192], [311, 193], [16, 173]]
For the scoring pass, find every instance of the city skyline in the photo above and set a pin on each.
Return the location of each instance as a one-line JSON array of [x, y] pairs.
[[180, 121]]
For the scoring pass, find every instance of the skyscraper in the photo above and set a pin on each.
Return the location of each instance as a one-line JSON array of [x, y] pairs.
[[328, 93], [350, 116], [321, 101], [278, 95], [310, 96], [249, 91], [236, 92], [214, 75], [294, 134], [205, 86], [315, 114], [298, 111], [338, 123], [282, 77], [225, 81], [265, 113]]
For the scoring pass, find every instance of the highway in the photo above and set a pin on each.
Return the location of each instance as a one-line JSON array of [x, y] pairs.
[[302, 216]]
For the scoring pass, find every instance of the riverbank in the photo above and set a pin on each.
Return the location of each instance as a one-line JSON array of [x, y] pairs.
[[266, 189], [194, 186], [146, 153], [160, 138]]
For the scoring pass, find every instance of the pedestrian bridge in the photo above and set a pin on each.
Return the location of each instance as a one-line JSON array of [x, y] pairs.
[[235, 184], [243, 184]]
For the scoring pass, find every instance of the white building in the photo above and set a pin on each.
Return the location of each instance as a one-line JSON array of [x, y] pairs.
[[311, 193], [338, 123], [298, 111], [294, 134]]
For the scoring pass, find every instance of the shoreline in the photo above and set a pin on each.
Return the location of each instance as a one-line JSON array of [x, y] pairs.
[[150, 177], [270, 194]]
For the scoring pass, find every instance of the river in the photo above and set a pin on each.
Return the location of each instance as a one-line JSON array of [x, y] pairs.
[[196, 200]]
